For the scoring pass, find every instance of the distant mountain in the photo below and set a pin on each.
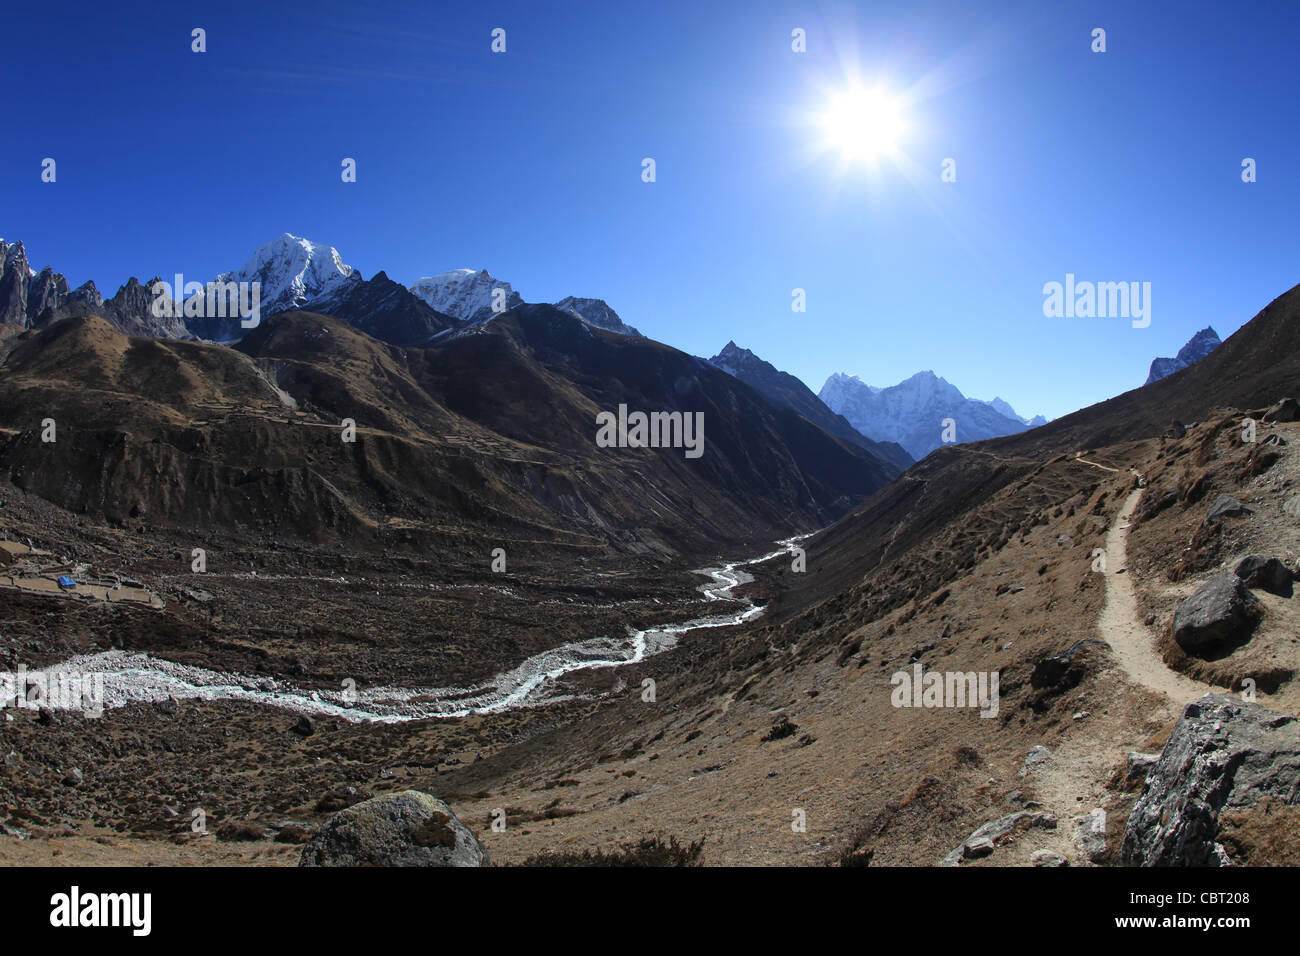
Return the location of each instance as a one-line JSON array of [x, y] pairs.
[[1004, 408], [785, 390], [385, 309], [130, 310], [292, 271], [912, 413], [1200, 345], [32, 299], [475, 297], [479, 437], [294, 274], [596, 312], [16, 276], [467, 295]]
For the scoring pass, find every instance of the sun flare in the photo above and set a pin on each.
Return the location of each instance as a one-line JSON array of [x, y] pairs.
[[863, 124]]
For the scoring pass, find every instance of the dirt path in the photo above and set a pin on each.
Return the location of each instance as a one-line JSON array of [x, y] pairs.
[[1133, 644], [1079, 458], [1074, 779]]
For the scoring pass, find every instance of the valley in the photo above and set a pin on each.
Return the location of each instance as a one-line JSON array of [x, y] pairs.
[[420, 569]]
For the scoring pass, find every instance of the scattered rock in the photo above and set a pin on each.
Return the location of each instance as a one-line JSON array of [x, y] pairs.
[[241, 831], [1036, 756], [1064, 670], [409, 828], [1287, 410], [306, 726], [1175, 430], [340, 798], [1265, 573], [73, 778], [1220, 611], [984, 839], [1223, 754], [292, 833], [1047, 858], [1226, 506], [782, 727], [1090, 833], [1060, 672]]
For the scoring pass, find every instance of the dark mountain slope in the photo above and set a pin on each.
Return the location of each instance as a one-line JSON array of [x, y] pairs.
[[488, 439], [786, 390], [765, 459], [387, 310]]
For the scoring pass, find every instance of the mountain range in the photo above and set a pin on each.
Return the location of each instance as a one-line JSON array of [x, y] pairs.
[[293, 273], [915, 413], [786, 390], [487, 434]]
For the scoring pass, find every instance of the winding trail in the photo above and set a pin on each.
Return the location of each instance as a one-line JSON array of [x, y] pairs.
[[117, 678], [1133, 644], [1074, 779]]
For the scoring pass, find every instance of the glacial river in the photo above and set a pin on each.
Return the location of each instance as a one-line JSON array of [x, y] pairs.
[[119, 678]]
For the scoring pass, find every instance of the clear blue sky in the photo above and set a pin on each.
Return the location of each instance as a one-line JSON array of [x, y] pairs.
[[1116, 166]]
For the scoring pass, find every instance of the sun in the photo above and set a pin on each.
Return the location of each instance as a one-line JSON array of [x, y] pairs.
[[863, 124]]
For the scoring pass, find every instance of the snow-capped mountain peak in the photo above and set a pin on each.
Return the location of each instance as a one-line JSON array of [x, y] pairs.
[[293, 271], [467, 295], [840, 382], [917, 411], [1004, 408]]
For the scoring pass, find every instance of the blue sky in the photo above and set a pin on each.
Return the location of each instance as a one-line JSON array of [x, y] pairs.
[[1115, 166]]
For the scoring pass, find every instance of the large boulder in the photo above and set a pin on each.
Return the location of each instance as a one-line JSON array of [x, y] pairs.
[[1223, 755], [409, 828], [1220, 612], [1265, 573]]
